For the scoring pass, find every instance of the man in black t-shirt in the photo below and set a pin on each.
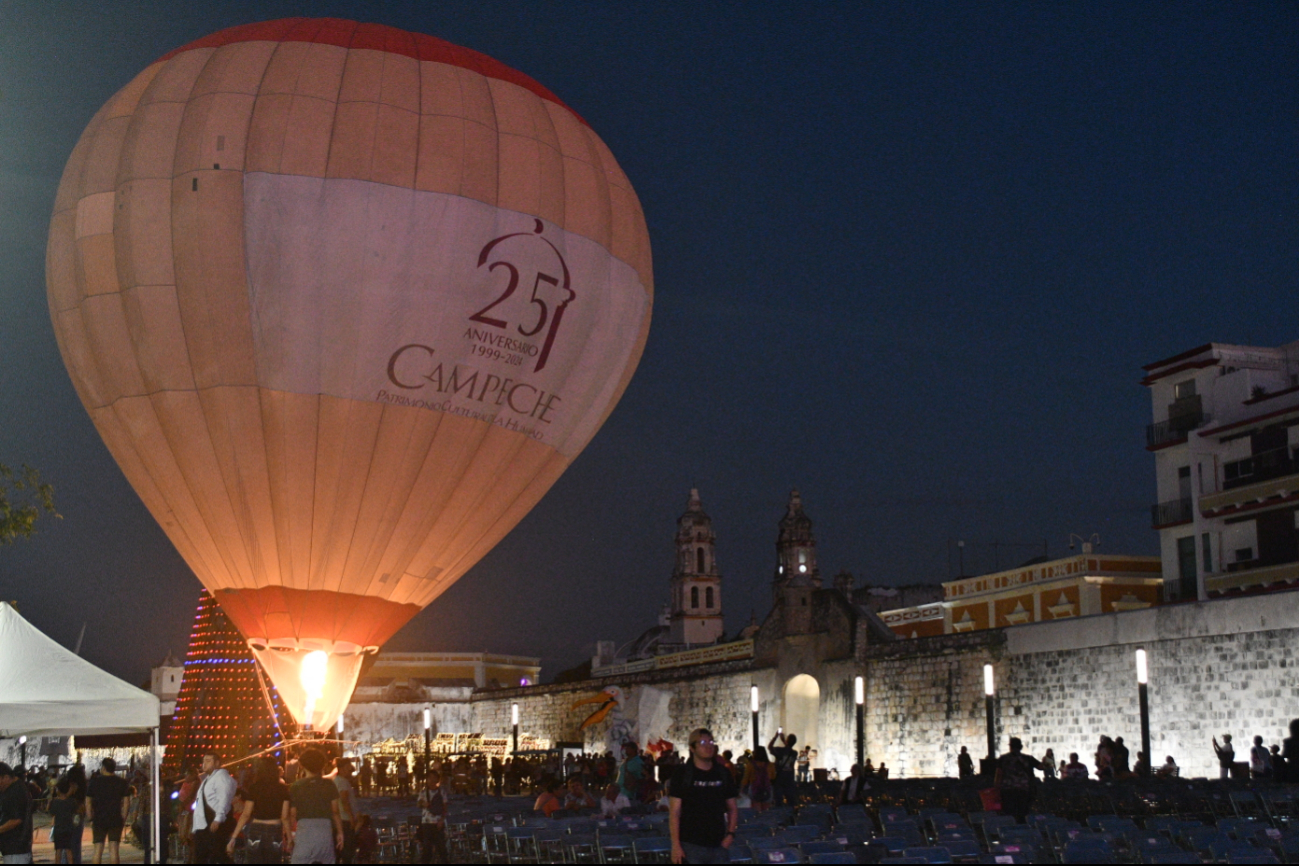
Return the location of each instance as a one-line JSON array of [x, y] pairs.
[[702, 815], [785, 788], [15, 817], [107, 797]]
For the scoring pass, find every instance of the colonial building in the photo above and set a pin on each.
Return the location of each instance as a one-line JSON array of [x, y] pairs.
[[1038, 592], [693, 615], [164, 683], [407, 677], [696, 581], [1225, 436]]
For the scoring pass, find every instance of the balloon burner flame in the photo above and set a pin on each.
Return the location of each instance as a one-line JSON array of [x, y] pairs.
[[312, 675]]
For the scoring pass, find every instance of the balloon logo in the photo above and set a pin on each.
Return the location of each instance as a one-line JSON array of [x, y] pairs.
[[343, 302]]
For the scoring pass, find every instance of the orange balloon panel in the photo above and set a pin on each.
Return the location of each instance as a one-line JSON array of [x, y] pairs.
[[343, 301]]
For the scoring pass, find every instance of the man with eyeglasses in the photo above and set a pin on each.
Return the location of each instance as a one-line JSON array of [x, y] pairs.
[[702, 815]]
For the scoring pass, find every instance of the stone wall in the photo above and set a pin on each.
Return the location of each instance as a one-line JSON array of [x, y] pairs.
[[1215, 667], [1223, 666], [650, 705]]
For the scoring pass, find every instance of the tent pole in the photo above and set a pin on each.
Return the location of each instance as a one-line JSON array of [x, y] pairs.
[[156, 823]]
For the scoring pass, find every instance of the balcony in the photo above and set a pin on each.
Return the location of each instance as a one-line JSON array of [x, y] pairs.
[[1175, 429], [1263, 466], [1256, 578], [1171, 513], [1266, 475]]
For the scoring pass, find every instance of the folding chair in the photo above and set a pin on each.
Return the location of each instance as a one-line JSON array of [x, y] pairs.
[[615, 848], [833, 857], [655, 849]]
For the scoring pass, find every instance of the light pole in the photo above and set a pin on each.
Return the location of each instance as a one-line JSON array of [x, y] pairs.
[[514, 720], [342, 750], [22, 744], [428, 735], [753, 708], [989, 691], [859, 692], [1144, 698]]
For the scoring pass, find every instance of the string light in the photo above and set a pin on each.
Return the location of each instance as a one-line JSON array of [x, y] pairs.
[[221, 706]]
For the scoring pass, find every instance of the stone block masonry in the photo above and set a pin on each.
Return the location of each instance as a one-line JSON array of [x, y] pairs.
[[1223, 666]]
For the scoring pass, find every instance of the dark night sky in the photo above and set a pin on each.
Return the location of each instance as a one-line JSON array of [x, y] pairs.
[[909, 257]]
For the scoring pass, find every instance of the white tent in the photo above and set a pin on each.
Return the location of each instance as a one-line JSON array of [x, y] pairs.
[[47, 690]]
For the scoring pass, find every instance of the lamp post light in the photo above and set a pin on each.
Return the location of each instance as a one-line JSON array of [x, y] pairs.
[[753, 708], [428, 735], [859, 692], [989, 692], [22, 744], [514, 720], [1144, 698]]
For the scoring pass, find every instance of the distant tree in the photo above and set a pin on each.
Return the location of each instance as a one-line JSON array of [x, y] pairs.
[[23, 497]]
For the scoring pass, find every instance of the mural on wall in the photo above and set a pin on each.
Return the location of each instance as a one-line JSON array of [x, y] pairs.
[[644, 718], [610, 708]]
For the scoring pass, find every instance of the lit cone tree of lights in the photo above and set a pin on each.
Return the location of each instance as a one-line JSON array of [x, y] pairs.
[[223, 702]]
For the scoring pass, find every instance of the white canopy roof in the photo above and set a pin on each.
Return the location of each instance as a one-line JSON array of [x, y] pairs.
[[45, 689]]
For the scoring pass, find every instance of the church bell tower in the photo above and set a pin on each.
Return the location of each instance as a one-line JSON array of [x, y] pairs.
[[696, 580], [797, 574]]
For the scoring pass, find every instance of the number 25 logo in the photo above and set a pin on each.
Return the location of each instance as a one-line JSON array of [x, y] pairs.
[[542, 314]]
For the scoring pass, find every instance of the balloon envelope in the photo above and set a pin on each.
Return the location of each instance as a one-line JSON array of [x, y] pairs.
[[343, 302]]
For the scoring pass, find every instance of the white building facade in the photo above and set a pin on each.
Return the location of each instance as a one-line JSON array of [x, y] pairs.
[[1225, 436]]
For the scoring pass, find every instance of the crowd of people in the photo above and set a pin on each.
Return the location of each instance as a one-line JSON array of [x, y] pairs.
[[309, 809]]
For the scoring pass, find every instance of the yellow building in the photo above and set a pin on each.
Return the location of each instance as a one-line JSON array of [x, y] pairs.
[[1074, 586], [408, 676]]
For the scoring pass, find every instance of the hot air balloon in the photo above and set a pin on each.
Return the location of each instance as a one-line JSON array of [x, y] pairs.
[[343, 302]]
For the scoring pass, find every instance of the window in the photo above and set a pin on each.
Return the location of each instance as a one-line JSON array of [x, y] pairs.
[[1183, 390], [708, 598], [1188, 584], [1184, 482], [694, 597], [1244, 554], [699, 560], [1206, 553]]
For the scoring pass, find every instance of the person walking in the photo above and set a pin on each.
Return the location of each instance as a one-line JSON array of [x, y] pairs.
[[15, 817], [313, 812], [1260, 760], [347, 811], [965, 764], [785, 757], [63, 810], [702, 812], [403, 777], [1289, 764], [213, 803], [264, 819], [1121, 759], [1226, 756], [107, 797], [432, 821], [1015, 780], [1049, 765], [757, 779]]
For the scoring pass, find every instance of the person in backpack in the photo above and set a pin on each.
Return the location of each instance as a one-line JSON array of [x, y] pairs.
[[785, 756], [757, 779]]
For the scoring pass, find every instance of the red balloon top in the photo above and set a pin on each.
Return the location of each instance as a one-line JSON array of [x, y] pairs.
[[378, 37]]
